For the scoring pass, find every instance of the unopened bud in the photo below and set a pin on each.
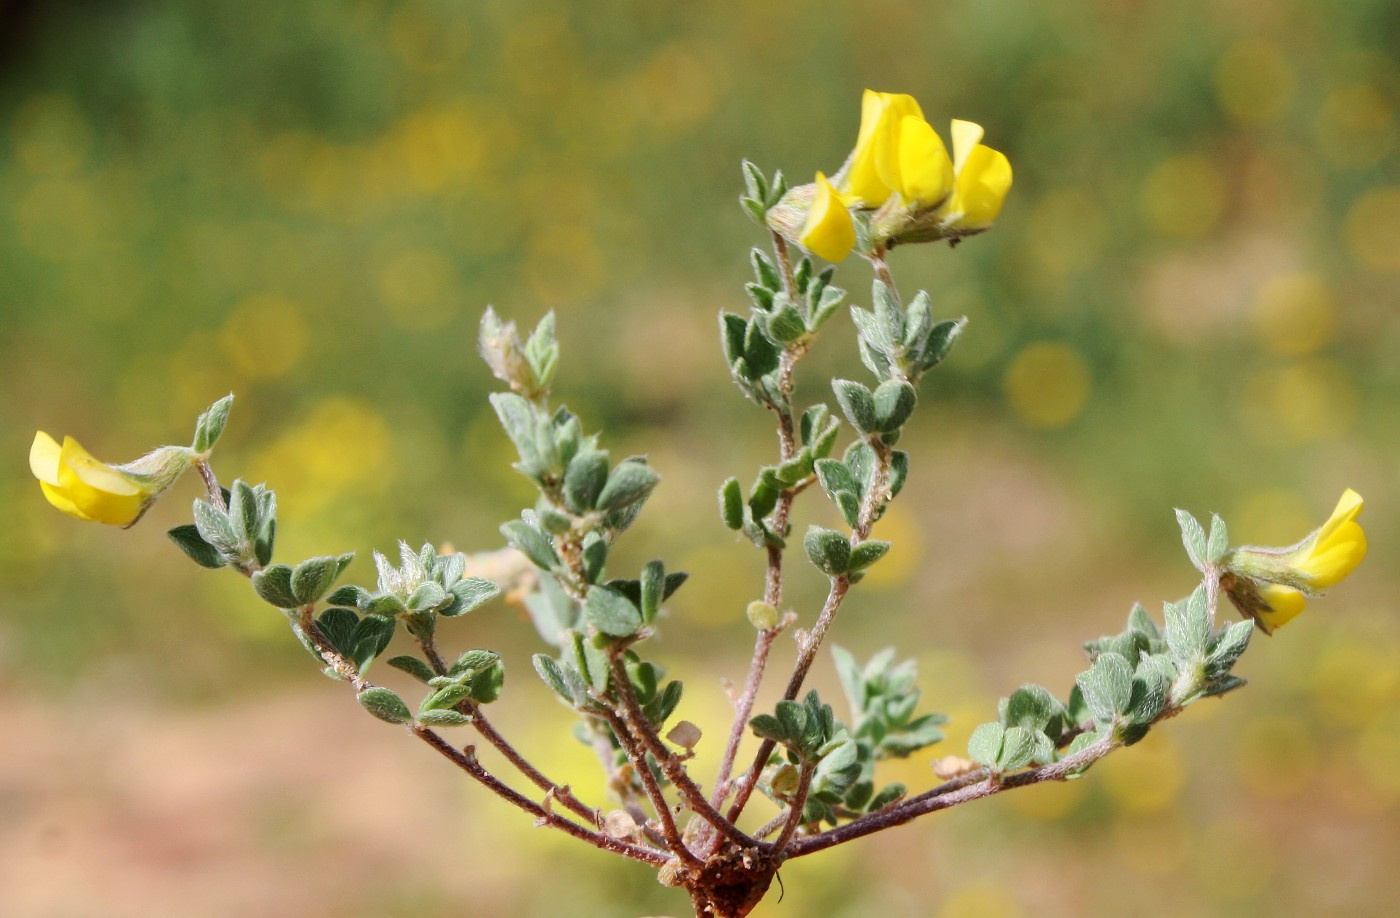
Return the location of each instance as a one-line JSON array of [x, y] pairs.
[[762, 615]]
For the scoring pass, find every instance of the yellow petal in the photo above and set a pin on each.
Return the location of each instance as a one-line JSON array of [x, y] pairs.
[[880, 113], [59, 498], [829, 230], [1335, 557], [925, 171], [97, 490], [1348, 508], [966, 136], [43, 458], [1285, 604], [979, 189]]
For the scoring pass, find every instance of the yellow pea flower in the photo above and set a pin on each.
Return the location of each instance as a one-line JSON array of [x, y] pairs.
[[982, 177], [89, 489], [829, 231], [897, 152], [1272, 585]]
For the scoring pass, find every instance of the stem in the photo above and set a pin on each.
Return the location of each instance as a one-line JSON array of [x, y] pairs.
[[471, 709], [211, 484], [670, 765], [875, 498], [670, 833], [799, 803], [882, 271], [543, 816], [959, 790]]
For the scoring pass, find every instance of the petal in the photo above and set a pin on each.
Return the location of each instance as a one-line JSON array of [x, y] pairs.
[[43, 458], [879, 116], [966, 136], [1285, 604], [1348, 508], [925, 171], [829, 231], [980, 189], [59, 498], [97, 490], [1331, 561]]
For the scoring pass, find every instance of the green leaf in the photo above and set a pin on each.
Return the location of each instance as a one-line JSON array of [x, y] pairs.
[[530, 542], [414, 667], [1227, 647], [189, 541], [653, 583], [385, 705], [312, 578], [867, 553], [1018, 747], [469, 593], [427, 596], [629, 483], [858, 404], [210, 425], [830, 551], [369, 639], [1035, 708], [584, 479], [984, 746], [731, 503], [243, 512], [266, 536], [889, 794], [940, 342], [1149, 695], [611, 612], [552, 676], [765, 270], [1188, 628], [443, 717], [274, 585], [1218, 543], [214, 527], [766, 726], [521, 424], [1107, 687], [348, 595], [894, 403], [1193, 537]]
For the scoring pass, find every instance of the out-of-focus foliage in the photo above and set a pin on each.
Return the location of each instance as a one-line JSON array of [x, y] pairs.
[[1190, 299]]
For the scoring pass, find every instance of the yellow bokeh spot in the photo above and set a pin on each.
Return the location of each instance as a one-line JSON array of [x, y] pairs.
[[901, 527], [1302, 402], [343, 448], [1354, 678], [439, 148], [1295, 314], [1254, 82], [677, 88], [1067, 233], [1146, 780], [51, 136], [427, 43], [1184, 197], [1276, 756], [264, 337], [980, 900], [1373, 229], [421, 289], [1356, 126], [1047, 384]]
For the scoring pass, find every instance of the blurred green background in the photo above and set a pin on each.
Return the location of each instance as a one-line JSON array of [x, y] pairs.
[[1190, 300]]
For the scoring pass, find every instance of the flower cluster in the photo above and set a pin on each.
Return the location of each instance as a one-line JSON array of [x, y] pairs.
[[898, 185], [1270, 585]]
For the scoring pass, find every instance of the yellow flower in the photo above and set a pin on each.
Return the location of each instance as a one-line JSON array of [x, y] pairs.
[[897, 152], [982, 177], [1272, 585], [89, 489], [829, 230]]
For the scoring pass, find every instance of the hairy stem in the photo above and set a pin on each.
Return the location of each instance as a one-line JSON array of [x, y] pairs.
[[670, 833], [543, 816], [960, 790], [799, 803], [670, 765]]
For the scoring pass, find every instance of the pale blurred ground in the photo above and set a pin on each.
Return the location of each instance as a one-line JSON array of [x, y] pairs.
[[1191, 300]]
